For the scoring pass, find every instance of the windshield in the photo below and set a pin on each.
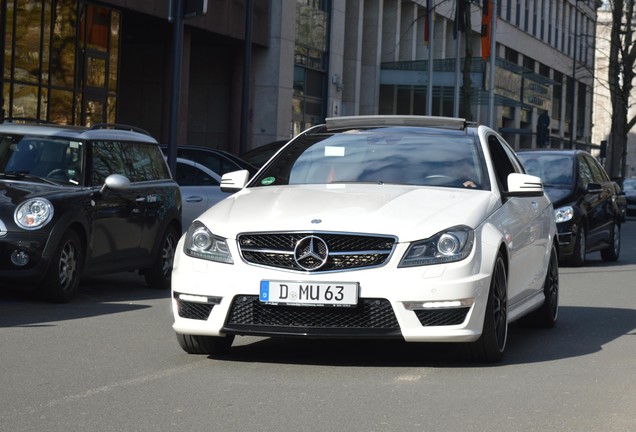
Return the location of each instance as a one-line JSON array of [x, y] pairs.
[[396, 155], [554, 170], [59, 160]]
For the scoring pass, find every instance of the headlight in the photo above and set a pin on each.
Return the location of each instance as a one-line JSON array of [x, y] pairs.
[[451, 245], [201, 243], [563, 214], [33, 214]]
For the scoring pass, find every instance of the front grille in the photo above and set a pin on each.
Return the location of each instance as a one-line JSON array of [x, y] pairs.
[[193, 310], [442, 317], [372, 317], [344, 251]]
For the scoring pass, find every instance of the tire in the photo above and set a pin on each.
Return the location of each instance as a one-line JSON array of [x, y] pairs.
[[578, 257], [159, 276], [546, 316], [62, 278], [194, 344], [612, 252], [491, 344]]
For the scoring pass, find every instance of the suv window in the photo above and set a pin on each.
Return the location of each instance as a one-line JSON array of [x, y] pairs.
[[598, 173], [137, 161], [585, 172]]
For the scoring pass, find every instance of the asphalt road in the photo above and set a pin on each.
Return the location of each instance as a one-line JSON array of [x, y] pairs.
[[110, 362]]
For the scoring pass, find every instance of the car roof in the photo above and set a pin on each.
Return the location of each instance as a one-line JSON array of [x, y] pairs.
[[100, 131]]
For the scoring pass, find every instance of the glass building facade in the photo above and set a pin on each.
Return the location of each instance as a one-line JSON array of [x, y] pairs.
[[310, 64], [59, 61]]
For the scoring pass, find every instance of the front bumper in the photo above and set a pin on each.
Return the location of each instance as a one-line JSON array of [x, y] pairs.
[[31, 245], [567, 233], [438, 303]]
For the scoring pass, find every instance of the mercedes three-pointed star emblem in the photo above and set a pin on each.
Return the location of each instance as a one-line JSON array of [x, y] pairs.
[[311, 253]]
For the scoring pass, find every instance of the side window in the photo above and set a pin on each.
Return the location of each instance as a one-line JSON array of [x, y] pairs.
[[504, 160], [585, 172], [188, 175], [145, 161], [136, 161], [598, 173], [107, 159]]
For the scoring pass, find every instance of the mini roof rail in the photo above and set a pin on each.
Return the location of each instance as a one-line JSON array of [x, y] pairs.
[[26, 120], [395, 120], [119, 126]]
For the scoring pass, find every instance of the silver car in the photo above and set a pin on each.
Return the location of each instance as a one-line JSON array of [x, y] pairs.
[[200, 189]]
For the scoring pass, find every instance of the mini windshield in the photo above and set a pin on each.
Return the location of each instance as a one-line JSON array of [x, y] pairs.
[[395, 155], [59, 160]]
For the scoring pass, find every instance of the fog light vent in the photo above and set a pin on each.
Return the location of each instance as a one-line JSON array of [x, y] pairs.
[[19, 258]]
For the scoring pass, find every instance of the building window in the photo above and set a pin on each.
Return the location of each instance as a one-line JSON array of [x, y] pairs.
[[60, 61], [310, 70]]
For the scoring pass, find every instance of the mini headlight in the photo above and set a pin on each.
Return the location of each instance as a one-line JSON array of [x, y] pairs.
[[451, 245], [33, 214], [201, 243], [563, 214]]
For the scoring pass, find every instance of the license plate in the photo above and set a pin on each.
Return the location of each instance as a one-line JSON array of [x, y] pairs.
[[309, 293]]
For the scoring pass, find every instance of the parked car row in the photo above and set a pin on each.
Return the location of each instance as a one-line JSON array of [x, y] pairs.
[[76, 201], [420, 228]]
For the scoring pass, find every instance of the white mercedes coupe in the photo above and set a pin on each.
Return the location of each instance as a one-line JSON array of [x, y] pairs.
[[425, 229]]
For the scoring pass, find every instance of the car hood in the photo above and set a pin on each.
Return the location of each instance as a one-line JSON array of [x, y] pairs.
[[408, 212], [13, 193], [558, 196]]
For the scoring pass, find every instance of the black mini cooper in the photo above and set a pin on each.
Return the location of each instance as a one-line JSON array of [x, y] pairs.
[[76, 201]]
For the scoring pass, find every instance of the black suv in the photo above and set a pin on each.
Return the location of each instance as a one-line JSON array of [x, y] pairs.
[[585, 202], [77, 201]]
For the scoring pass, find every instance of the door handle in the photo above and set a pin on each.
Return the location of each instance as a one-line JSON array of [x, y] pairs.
[[194, 199]]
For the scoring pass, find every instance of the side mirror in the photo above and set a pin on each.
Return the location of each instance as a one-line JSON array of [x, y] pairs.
[[115, 182], [524, 185], [234, 181]]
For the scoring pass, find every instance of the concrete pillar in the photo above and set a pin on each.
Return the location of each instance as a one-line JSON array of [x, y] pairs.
[[273, 69], [371, 55], [352, 59]]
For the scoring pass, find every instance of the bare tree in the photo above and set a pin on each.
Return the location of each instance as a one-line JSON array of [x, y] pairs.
[[622, 59]]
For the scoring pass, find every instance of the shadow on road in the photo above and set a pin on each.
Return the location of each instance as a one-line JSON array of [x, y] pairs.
[[581, 331], [102, 295]]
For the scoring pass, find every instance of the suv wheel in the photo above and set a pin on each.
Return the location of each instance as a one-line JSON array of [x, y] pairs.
[[160, 274], [612, 252], [63, 276], [578, 257]]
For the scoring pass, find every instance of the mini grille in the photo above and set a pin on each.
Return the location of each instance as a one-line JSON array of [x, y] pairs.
[[371, 317], [346, 251], [191, 310], [442, 317]]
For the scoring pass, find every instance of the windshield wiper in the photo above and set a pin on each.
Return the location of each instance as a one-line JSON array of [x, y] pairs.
[[26, 175]]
